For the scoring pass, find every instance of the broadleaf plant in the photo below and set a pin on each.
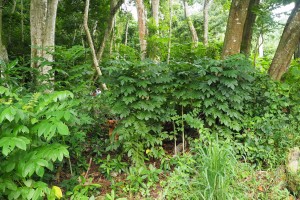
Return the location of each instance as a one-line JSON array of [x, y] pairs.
[[31, 140]]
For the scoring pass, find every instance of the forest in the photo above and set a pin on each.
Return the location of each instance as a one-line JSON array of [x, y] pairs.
[[150, 99]]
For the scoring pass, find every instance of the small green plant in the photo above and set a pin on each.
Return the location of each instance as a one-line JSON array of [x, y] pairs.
[[112, 165], [85, 190], [112, 196], [141, 179]]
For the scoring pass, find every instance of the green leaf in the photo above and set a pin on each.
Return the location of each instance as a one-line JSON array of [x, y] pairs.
[[62, 128], [28, 182], [43, 127], [34, 120], [10, 166], [42, 162], [67, 115], [8, 113], [7, 144], [20, 143], [39, 171], [29, 169]]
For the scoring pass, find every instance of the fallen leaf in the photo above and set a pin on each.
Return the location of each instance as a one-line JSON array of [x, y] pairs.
[[260, 188]]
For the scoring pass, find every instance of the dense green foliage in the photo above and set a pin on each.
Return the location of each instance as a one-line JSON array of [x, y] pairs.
[[33, 130], [193, 127], [224, 96]]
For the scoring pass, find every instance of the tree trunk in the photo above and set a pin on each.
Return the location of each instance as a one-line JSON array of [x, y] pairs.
[[297, 52], [114, 7], [248, 28], [3, 51], [142, 27], [42, 30], [190, 23], [170, 30], [235, 26], [205, 21], [155, 11], [288, 43], [90, 41]]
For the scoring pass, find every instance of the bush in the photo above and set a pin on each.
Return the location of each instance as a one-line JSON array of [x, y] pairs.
[[32, 132]]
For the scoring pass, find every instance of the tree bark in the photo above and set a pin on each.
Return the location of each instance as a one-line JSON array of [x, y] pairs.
[[114, 7], [112, 37], [90, 41], [142, 27], [42, 30], [205, 20], [297, 52], [155, 11], [235, 26], [3, 51], [287, 45], [248, 28], [170, 30], [191, 25]]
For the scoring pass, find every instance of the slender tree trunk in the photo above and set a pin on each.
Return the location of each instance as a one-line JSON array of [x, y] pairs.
[[235, 26], [205, 20], [248, 28], [114, 7], [261, 45], [14, 7], [155, 11], [42, 30], [111, 45], [288, 43], [142, 27], [22, 20], [170, 30], [126, 33], [90, 41], [259, 48], [191, 25], [3, 51]]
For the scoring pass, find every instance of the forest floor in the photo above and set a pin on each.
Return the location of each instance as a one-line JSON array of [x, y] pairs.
[[258, 184]]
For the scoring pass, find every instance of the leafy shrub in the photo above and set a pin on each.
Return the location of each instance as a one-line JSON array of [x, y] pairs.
[[137, 97], [270, 125], [31, 140], [228, 97], [145, 95], [219, 89]]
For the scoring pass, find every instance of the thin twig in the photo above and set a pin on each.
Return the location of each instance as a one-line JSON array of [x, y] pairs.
[[70, 164]]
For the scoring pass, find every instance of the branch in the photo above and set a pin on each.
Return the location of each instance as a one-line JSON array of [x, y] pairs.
[[116, 8]]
